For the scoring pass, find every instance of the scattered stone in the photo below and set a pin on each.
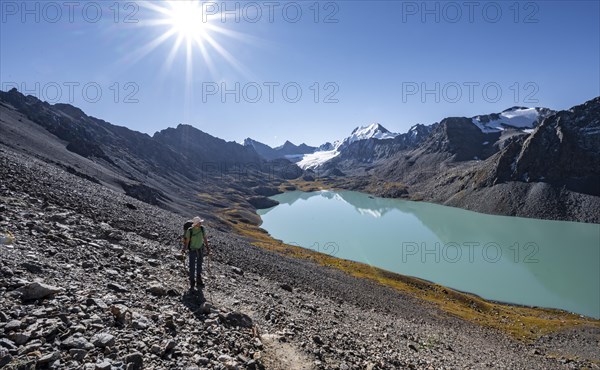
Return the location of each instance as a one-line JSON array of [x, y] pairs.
[[224, 358], [5, 357], [78, 354], [13, 325], [157, 290], [155, 349], [117, 288], [97, 302], [237, 270], [32, 267], [134, 361], [37, 290], [104, 365], [202, 361], [48, 358], [169, 346], [120, 312], [140, 324], [237, 319], [206, 308], [286, 287], [173, 292], [77, 341], [21, 338], [7, 343], [103, 340]]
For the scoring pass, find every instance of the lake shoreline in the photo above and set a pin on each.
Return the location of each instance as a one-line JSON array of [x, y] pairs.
[[405, 283], [357, 269], [474, 201]]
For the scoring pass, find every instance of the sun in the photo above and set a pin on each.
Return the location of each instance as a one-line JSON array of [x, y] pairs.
[[191, 29], [187, 20]]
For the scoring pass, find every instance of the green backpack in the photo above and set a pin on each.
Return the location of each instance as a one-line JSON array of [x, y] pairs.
[[188, 226]]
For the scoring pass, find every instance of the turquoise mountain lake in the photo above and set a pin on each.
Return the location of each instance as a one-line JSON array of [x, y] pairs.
[[509, 259]]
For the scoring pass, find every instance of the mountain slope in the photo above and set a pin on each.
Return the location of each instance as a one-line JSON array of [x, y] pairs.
[[168, 169], [564, 151]]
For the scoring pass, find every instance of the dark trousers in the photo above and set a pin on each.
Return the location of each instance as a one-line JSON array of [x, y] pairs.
[[195, 271]]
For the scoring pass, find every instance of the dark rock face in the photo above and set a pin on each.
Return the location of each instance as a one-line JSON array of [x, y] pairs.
[[325, 147], [459, 138], [564, 150]]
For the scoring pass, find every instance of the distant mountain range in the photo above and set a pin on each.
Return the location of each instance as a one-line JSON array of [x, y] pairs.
[[531, 162], [374, 142]]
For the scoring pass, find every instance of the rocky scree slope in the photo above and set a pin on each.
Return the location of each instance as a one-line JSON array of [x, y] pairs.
[[93, 282]]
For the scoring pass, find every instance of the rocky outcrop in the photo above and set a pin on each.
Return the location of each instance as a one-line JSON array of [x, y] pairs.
[[460, 139], [262, 202], [564, 151]]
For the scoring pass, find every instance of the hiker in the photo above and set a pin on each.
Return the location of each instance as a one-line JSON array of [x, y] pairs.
[[194, 241]]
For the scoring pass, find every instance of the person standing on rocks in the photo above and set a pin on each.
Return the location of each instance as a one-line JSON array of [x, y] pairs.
[[195, 241]]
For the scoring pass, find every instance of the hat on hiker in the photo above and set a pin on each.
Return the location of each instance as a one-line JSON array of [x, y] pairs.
[[197, 220]]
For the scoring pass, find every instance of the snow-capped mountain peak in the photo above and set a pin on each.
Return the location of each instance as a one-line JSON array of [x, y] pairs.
[[515, 117], [372, 131], [327, 152]]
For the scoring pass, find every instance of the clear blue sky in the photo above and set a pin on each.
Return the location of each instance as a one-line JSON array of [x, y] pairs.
[[374, 57]]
